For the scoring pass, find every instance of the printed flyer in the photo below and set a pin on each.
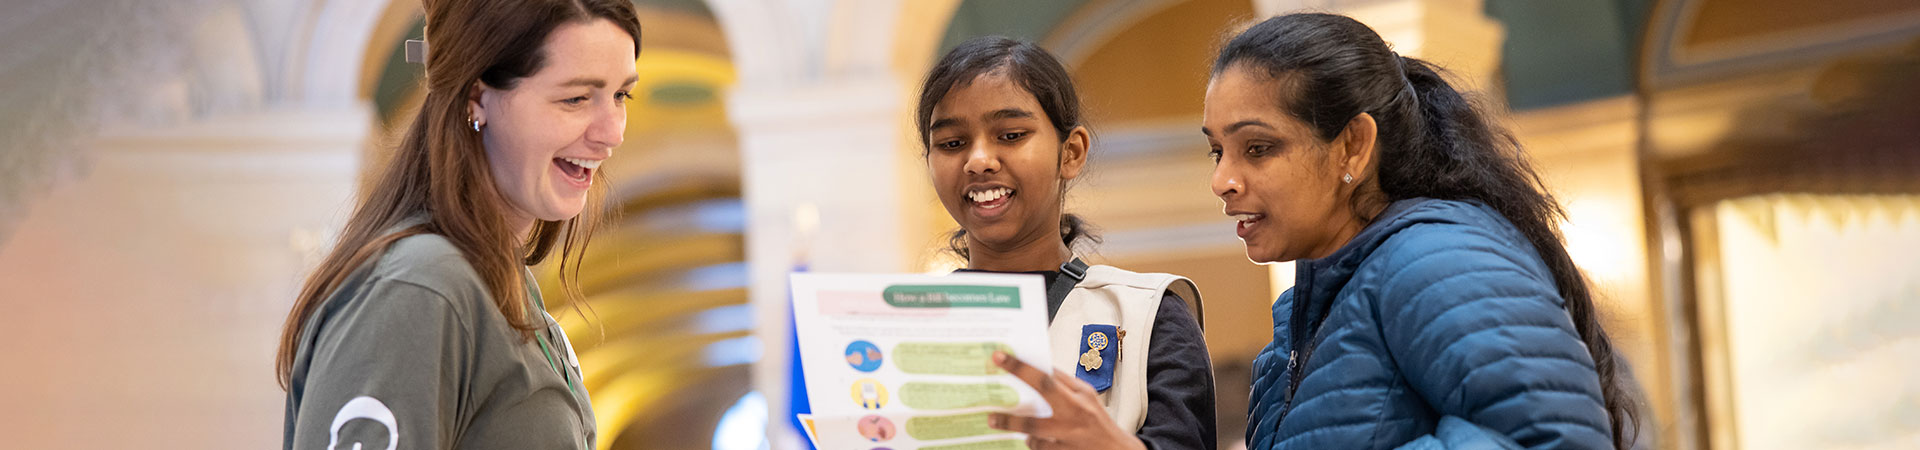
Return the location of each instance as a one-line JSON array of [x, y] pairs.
[[901, 362]]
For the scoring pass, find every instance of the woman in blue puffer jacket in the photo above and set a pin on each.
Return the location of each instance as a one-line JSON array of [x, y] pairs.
[[1435, 305]]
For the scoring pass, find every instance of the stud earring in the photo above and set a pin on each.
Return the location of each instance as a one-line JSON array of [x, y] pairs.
[[1346, 178]]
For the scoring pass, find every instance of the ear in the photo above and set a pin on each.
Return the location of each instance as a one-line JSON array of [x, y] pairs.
[[1354, 149], [1073, 152], [476, 107]]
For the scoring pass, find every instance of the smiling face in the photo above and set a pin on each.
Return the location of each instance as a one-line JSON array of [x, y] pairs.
[[547, 135], [1280, 183], [999, 166]]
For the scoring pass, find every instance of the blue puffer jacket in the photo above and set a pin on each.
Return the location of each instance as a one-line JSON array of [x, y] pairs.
[[1439, 309]]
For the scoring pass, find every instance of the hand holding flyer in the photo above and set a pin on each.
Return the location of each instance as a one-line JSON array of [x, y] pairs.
[[905, 361]]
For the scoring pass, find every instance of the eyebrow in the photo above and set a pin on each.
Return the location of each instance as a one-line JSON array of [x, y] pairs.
[[1236, 126], [1001, 114], [944, 122], [597, 83], [1010, 113]]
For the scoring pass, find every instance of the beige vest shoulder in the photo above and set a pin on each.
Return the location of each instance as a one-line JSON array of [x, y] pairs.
[[1129, 301]]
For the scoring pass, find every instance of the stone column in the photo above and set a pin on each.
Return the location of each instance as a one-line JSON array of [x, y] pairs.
[[831, 176]]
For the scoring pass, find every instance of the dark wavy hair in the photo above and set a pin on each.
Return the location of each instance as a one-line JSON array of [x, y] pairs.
[[1029, 67], [1433, 142]]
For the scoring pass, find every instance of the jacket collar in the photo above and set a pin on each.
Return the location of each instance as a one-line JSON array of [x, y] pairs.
[[1317, 282]]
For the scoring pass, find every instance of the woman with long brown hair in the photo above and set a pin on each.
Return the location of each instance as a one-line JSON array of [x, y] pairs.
[[423, 328]]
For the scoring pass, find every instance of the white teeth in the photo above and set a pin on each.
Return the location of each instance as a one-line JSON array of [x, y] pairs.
[[989, 195], [1245, 217], [588, 164]]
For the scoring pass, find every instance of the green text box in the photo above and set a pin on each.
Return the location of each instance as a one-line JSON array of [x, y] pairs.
[[948, 358], [924, 395], [933, 428], [950, 296]]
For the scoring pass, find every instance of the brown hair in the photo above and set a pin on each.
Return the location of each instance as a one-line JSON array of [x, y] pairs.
[[441, 169]]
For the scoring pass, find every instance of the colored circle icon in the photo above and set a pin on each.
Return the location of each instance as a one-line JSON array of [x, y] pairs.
[[869, 394], [863, 356], [876, 428]]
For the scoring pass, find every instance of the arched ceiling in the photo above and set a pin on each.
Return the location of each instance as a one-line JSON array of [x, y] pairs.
[[1019, 19], [1558, 53], [1168, 44], [1156, 68], [1696, 41], [1115, 49], [1594, 44], [1723, 22]]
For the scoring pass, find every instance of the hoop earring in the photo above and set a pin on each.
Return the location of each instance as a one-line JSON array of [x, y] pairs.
[[476, 125]]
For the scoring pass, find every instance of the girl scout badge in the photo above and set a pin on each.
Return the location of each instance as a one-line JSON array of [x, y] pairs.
[[1097, 353]]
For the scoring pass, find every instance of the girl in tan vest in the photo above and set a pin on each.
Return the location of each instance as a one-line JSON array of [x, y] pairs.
[[1001, 126]]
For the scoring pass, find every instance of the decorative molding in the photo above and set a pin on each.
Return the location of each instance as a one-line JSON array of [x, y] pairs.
[[273, 147], [292, 173], [1688, 120], [1665, 62]]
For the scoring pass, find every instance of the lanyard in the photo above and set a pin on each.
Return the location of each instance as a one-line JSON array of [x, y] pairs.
[[533, 294], [564, 374]]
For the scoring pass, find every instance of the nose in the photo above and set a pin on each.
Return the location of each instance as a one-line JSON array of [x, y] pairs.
[[609, 128], [981, 159], [1226, 181]]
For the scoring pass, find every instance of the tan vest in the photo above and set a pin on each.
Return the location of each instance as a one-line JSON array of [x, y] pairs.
[[1128, 300]]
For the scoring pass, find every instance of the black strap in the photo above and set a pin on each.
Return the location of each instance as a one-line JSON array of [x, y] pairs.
[[1073, 271], [1074, 268]]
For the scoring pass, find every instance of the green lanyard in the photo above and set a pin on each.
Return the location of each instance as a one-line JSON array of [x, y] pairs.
[[564, 375], [533, 293], [533, 296]]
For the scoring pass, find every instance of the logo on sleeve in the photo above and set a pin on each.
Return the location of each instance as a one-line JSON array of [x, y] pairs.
[[364, 407]]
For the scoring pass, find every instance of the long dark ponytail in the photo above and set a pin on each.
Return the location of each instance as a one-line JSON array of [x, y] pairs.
[[1433, 142], [1028, 66]]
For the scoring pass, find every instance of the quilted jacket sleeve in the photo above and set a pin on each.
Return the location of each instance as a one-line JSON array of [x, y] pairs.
[[1475, 324], [1455, 433]]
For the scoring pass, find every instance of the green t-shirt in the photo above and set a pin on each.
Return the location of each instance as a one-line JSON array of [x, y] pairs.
[[411, 353]]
